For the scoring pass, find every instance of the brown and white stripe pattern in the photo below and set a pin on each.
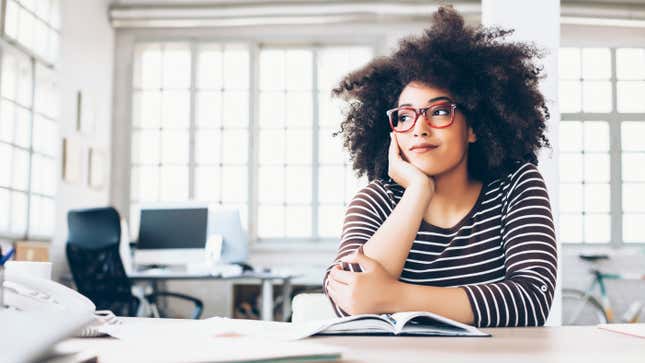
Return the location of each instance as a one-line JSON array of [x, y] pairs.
[[502, 253]]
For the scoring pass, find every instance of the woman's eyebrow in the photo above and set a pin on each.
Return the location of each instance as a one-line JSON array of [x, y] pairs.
[[440, 98], [432, 100]]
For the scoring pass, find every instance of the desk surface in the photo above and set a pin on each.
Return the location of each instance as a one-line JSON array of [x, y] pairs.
[[545, 344], [160, 274]]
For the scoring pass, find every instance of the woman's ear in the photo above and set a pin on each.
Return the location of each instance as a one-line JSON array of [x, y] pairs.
[[472, 137]]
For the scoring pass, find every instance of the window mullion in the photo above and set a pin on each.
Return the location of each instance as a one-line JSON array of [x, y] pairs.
[[3, 11], [160, 145], [253, 167], [32, 111], [615, 162], [316, 148], [192, 122]]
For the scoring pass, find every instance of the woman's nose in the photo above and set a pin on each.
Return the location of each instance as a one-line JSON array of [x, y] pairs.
[[421, 127]]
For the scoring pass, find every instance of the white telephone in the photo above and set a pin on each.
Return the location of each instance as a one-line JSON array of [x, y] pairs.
[[37, 314]]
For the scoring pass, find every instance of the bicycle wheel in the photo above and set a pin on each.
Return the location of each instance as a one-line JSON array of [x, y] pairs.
[[580, 310]]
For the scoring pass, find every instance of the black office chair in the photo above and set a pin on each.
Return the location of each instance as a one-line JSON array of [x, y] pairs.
[[93, 254]]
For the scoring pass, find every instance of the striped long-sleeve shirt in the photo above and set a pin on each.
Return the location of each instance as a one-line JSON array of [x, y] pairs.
[[502, 253]]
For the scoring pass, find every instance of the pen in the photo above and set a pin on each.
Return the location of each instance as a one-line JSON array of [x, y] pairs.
[[3, 259], [6, 257], [2, 287]]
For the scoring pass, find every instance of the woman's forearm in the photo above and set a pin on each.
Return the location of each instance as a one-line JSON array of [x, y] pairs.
[[391, 243], [451, 302]]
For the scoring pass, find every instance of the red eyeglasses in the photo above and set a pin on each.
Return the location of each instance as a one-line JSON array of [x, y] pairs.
[[438, 116]]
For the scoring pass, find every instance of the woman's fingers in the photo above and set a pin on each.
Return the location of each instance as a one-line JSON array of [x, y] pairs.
[[333, 291], [341, 276], [394, 152]]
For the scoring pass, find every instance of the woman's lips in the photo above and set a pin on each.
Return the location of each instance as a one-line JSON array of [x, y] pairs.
[[422, 150]]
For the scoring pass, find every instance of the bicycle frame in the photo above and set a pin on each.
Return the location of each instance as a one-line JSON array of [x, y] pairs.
[[599, 280]]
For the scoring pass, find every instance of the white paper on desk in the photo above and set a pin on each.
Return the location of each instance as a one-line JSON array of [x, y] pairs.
[[215, 350], [262, 329], [210, 328], [159, 330], [210, 340]]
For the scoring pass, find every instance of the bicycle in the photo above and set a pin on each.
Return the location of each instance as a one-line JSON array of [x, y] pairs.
[[582, 308]]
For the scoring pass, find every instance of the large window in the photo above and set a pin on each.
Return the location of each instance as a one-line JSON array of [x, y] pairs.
[[28, 146], [222, 126], [35, 25], [28, 113], [602, 178], [190, 133], [244, 126], [303, 174]]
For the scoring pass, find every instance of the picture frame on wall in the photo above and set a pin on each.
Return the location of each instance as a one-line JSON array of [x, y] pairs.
[[71, 161], [85, 113], [96, 168]]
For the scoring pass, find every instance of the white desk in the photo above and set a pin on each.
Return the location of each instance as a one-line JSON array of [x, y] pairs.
[[153, 277], [544, 344], [587, 344]]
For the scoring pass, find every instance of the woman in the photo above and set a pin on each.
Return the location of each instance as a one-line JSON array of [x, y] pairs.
[[456, 218]]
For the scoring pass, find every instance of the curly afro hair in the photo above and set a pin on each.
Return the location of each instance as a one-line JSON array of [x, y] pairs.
[[495, 83]]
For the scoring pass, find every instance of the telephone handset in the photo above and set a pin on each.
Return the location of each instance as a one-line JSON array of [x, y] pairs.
[[39, 313], [26, 293]]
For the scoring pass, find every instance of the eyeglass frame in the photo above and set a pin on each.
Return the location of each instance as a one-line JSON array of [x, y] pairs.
[[423, 111]]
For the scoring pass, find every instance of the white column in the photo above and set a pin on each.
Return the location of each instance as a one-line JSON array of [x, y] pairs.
[[538, 22]]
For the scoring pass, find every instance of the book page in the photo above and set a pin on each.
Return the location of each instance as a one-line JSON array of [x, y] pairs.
[[361, 325], [420, 322]]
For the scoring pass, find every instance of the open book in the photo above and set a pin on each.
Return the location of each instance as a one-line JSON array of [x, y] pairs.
[[404, 323]]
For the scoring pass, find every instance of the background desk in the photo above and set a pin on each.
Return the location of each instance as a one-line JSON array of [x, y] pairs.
[[153, 277], [546, 344]]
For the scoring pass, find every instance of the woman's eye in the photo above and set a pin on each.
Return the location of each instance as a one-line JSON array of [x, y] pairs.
[[404, 118], [441, 111]]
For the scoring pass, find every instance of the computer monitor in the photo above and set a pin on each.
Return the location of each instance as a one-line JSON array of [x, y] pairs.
[[171, 235], [226, 222]]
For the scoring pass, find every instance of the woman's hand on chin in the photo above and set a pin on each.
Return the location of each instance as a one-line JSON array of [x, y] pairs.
[[403, 172]]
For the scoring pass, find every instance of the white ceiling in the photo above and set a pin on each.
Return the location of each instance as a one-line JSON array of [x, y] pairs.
[[204, 13], [220, 2]]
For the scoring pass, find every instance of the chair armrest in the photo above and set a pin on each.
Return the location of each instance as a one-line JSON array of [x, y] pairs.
[[199, 306]]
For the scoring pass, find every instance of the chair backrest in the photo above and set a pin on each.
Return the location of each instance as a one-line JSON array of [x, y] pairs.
[[308, 307], [94, 227], [93, 254]]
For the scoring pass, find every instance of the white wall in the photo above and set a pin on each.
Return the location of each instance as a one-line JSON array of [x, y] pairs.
[[540, 24], [85, 64]]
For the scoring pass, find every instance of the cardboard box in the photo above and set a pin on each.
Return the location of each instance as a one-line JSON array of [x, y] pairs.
[[32, 251]]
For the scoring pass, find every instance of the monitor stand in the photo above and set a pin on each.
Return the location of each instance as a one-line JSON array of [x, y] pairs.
[[172, 257]]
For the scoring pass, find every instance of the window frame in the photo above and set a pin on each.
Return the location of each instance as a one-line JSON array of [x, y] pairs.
[[34, 62], [315, 134], [45, 60], [614, 120], [126, 54]]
